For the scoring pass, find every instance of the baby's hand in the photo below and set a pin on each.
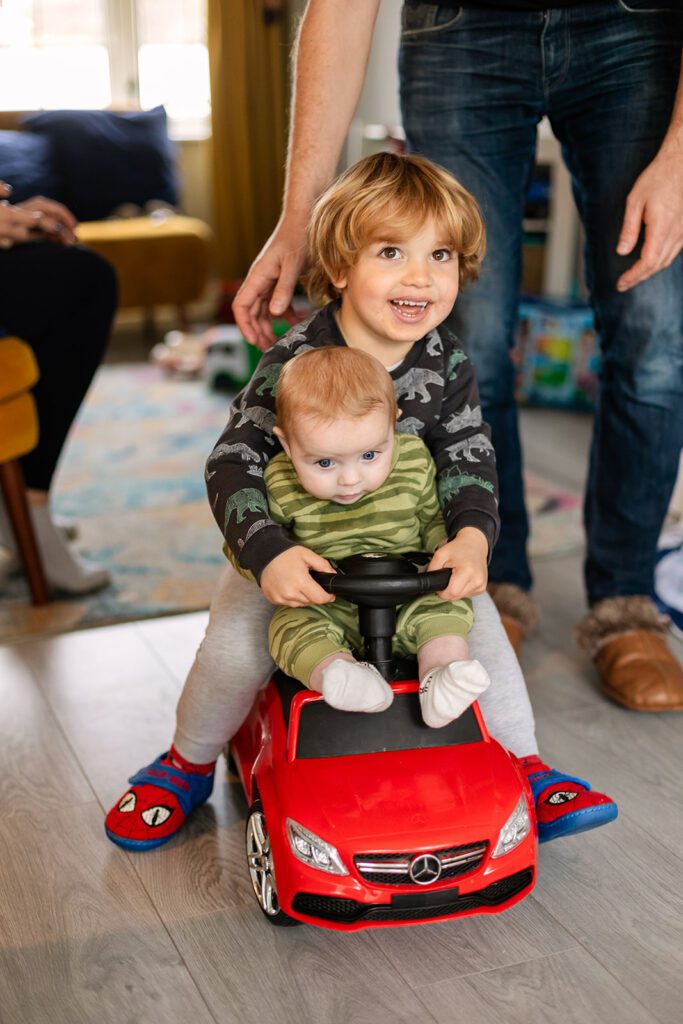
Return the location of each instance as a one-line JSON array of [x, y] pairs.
[[467, 556], [286, 580]]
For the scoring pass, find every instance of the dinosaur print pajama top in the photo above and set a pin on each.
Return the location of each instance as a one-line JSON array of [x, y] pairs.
[[437, 394]]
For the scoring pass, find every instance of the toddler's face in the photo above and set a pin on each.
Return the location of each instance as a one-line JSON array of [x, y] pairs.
[[398, 291], [343, 460]]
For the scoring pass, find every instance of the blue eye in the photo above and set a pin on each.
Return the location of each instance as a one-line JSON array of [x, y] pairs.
[[324, 463], [369, 456]]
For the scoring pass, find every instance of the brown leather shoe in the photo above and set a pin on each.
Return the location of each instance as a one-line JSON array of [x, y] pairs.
[[638, 670], [515, 634]]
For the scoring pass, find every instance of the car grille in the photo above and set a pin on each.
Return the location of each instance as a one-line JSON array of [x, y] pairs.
[[393, 868], [428, 906]]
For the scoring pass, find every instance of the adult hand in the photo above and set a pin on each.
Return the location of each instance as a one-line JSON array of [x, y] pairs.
[[467, 556], [55, 220], [36, 218], [656, 201], [268, 288], [286, 580]]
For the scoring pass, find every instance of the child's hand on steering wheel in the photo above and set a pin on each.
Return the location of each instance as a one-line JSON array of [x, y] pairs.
[[467, 556], [286, 580]]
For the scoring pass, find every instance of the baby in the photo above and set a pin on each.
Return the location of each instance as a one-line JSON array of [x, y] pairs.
[[347, 483]]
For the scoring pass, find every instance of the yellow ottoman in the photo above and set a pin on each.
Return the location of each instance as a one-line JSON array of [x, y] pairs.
[[159, 261]]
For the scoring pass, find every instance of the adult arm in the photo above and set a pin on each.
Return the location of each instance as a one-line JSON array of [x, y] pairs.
[[656, 201], [331, 55]]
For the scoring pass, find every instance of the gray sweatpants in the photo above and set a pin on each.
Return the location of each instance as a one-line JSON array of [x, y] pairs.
[[233, 664]]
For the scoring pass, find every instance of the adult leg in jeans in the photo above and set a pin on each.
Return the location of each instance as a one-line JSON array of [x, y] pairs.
[[611, 113], [478, 118], [61, 300]]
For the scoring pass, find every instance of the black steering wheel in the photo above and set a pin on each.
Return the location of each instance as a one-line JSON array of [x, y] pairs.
[[377, 582]]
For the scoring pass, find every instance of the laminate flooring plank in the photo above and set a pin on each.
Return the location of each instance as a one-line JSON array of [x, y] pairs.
[[618, 891], [38, 772], [564, 988], [253, 973], [175, 640], [79, 939], [435, 952], [114, 700], [636, 758]]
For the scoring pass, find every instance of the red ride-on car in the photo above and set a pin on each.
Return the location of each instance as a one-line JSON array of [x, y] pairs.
[[362, 820]]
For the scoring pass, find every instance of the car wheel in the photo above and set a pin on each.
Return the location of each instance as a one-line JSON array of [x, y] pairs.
[[260, 864]]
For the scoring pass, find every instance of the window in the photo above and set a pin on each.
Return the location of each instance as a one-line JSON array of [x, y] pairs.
[[98, 53]]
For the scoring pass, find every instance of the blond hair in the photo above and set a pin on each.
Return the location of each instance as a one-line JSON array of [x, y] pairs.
[[332, 383], [383, 191]]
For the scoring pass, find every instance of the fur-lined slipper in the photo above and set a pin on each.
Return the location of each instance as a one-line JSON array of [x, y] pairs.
[[615, 616], [518, 612], [625, 637]]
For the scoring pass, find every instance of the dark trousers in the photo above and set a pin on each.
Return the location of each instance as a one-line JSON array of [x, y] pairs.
[[474, 85], [61, 300]]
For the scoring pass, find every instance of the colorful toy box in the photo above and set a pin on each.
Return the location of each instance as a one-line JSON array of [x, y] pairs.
[[556, 355]]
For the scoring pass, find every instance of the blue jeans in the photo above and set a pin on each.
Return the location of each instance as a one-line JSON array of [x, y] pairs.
[[474, 85]]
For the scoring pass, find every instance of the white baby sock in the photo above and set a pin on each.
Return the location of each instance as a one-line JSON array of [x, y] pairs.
[[355, 686], [448, 691]]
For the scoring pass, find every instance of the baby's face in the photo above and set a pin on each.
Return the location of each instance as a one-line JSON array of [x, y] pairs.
[[398, 291], [343, 460]]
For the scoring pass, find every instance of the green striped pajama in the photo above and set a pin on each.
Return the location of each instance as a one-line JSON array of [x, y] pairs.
[[401, 515], [300, 638]]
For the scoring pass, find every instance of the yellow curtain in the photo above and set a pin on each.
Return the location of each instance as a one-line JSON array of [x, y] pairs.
[[248, 61]]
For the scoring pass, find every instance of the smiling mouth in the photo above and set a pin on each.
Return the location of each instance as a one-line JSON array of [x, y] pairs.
[[409, 309]]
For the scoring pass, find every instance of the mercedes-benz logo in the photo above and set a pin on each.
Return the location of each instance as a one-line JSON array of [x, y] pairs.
[[425, 869]]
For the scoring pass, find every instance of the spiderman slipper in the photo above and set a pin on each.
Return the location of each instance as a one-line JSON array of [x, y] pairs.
[[565, 805], [156, 805]]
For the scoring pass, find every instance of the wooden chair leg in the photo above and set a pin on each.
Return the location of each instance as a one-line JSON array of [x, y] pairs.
[[14, 493], [183, 319], [149, 327]]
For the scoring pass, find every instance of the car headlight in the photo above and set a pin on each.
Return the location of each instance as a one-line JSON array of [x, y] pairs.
[[314, 851], [515, 829]]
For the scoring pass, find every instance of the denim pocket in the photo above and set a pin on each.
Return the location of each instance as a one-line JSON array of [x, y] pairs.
[[419, 19], [651, 6]]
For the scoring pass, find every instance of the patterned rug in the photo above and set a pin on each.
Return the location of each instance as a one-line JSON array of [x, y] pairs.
[[555, 519], [132, 476]]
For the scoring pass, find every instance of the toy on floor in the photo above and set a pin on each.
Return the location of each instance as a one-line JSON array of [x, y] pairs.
[[360, 820]]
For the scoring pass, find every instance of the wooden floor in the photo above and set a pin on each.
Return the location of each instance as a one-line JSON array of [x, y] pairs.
[[91, 934]]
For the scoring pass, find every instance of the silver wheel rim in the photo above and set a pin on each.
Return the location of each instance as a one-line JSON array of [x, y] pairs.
[[260, 862]]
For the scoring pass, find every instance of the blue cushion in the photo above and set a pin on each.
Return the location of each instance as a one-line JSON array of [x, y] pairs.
[[106, 159], [26, 164]]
